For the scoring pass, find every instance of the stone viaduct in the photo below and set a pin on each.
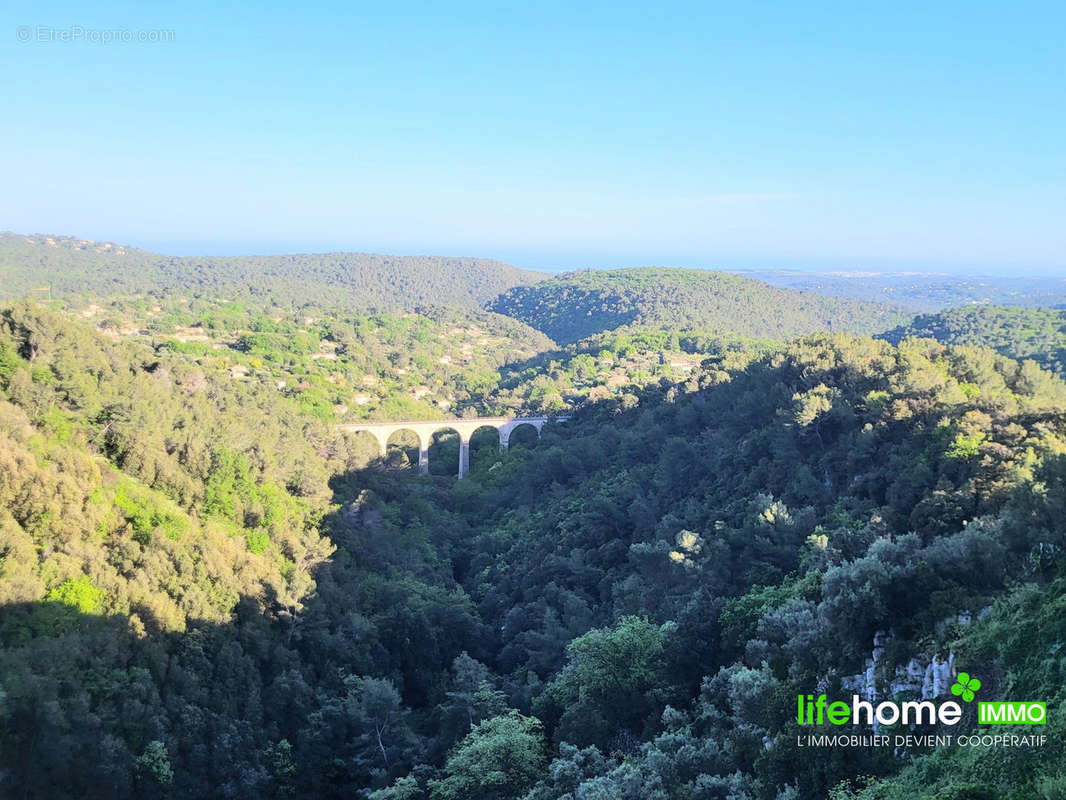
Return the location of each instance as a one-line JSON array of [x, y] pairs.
[[424, 430]]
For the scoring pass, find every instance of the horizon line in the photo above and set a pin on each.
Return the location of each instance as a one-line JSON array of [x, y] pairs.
[[852, 273]]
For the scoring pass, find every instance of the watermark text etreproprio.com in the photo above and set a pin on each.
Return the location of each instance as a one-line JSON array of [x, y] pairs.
[[51, 34]]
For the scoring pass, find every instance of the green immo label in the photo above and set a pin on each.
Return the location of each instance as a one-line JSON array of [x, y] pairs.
[[1012, 713]]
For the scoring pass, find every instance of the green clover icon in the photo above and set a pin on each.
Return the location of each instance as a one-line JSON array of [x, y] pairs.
[[966, 686]]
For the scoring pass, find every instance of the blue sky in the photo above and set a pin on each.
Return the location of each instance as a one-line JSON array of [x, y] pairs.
[[735, 135]]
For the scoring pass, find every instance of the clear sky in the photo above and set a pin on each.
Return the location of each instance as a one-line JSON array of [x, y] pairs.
[[552, 135]]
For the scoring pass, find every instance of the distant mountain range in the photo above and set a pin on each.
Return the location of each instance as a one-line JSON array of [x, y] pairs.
[[565, 307], [64, 266], [764, 304]]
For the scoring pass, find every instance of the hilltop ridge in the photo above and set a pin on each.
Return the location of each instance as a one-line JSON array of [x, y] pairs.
[[578, 304], [70, 266]]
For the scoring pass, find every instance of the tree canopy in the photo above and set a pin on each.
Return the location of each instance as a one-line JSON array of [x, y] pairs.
[[206, 590], [579, 304], [1023, 333]]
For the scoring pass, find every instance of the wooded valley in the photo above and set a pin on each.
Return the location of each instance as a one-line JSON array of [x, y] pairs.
[[207, 590]]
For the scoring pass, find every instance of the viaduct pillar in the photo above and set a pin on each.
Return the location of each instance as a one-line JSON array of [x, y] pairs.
[[464, 456], [423, 455]]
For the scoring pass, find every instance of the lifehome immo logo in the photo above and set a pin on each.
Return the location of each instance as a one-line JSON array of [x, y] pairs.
[[818, 711]]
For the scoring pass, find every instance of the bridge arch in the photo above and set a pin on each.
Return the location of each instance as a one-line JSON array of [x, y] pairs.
[[522, 426], [465, 428], [486, 444], [446, 444], [415, 448]]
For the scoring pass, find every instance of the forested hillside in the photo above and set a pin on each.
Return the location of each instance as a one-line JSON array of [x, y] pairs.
[[566, 308], [1036, 333], [60, 266], [435, 364], [206, 593], [579, 304]]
